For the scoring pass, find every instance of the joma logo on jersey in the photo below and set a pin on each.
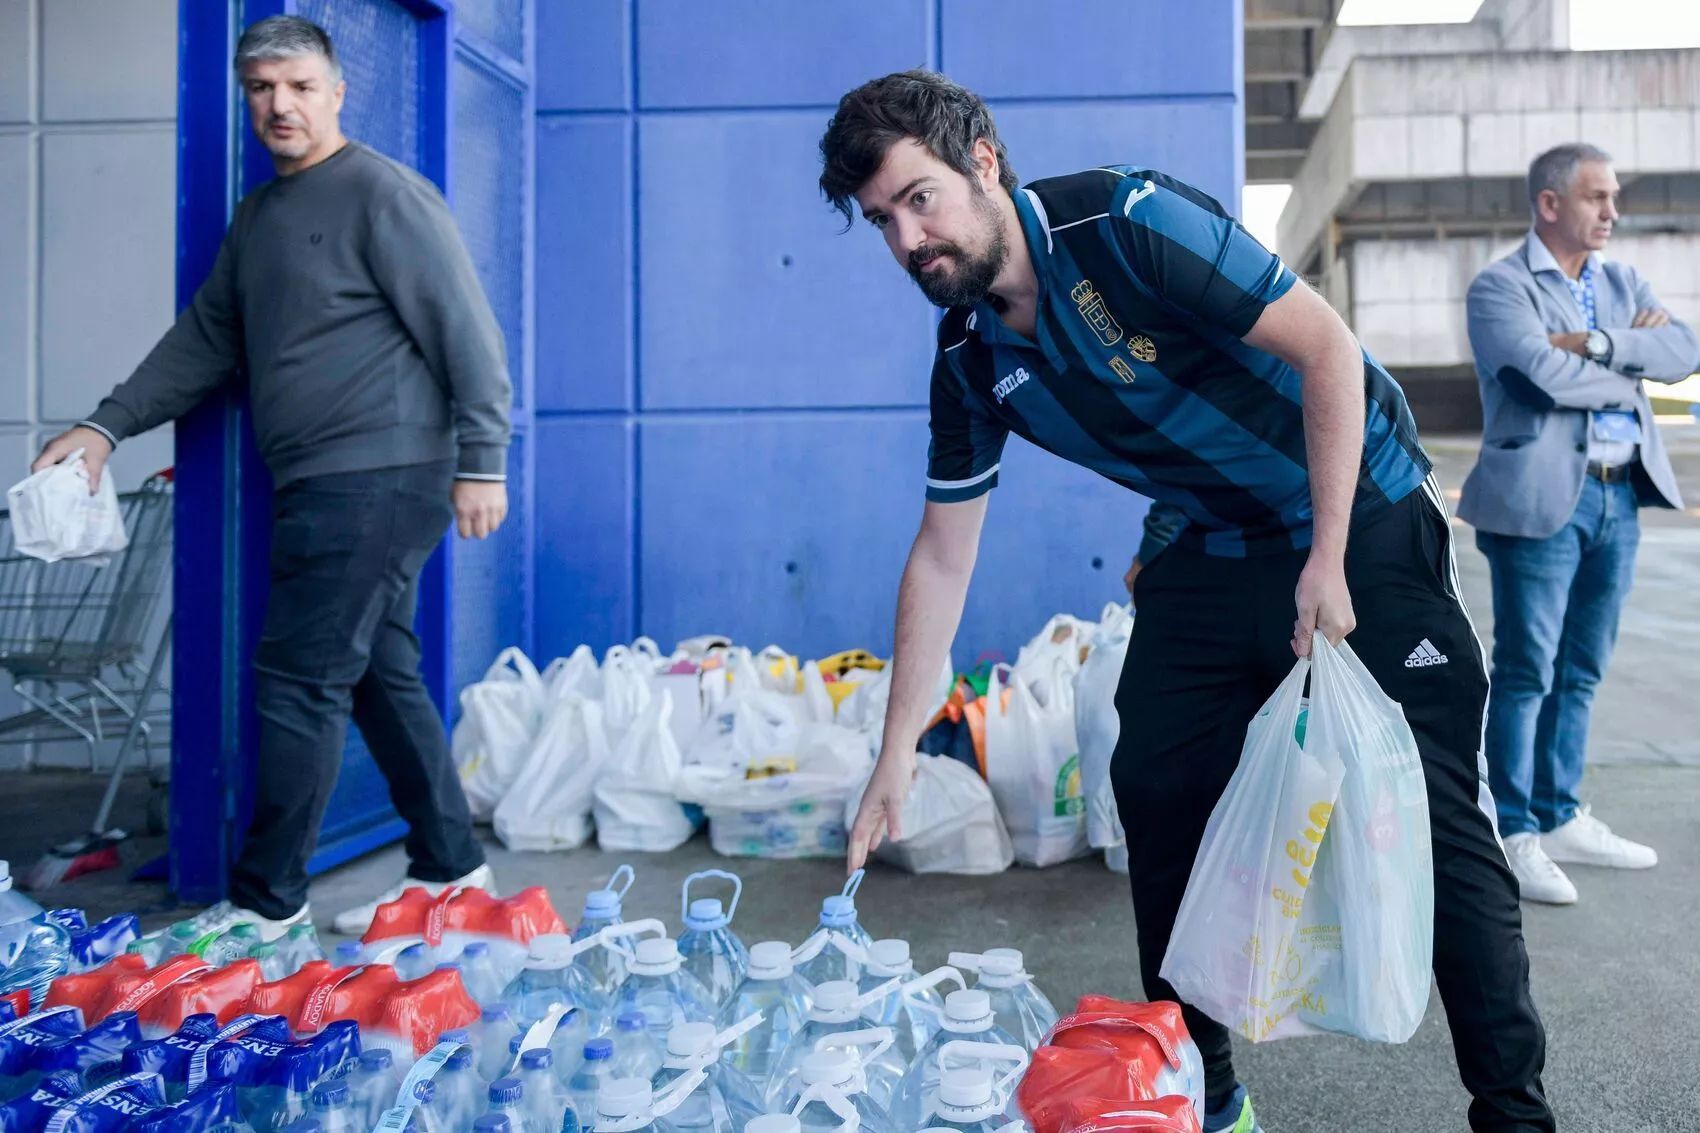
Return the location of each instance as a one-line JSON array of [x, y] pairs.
[[1097, 315], [1009, 384]]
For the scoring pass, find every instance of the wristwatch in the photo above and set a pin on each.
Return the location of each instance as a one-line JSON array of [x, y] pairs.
[[1598, 346]]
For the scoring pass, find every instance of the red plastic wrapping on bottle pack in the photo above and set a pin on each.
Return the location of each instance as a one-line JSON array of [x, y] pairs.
[[19, 1000], [1106, 1115], [1111, 1049], [1057, 1075], [123, 983], [472, 911], [416, 1013], [223, 992], [319, 993]]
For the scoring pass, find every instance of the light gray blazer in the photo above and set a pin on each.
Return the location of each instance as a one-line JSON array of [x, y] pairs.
[[1536, 397]]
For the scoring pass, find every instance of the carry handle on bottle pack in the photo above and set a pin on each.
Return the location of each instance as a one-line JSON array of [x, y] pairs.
[[856, 1042], [978, 962], [963, 1050], [710, 1054], [854, 1007], [942, 974], [820, 939], [630, 875], [613, 937], [833, 1100], [685, 893], [670, 1098]]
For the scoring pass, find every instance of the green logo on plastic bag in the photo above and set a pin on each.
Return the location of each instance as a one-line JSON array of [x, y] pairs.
[[1069, 801]]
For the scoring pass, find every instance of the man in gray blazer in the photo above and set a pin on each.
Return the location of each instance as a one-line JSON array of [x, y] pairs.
[[1562, 341]]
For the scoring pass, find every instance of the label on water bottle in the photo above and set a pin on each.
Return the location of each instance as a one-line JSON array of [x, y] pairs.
[[317, 1004], [424, 1070], [198, 1060], [437, 916], [63, 1115], [145, 990]]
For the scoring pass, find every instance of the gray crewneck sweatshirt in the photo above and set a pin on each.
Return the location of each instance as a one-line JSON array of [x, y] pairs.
[[345, 293]]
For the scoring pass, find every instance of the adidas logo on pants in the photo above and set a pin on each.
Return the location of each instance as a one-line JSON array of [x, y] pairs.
[[1425, 655]]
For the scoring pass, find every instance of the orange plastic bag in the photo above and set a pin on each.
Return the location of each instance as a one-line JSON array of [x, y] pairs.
[[222, 992], [1106, 1115], [1057, 1075], [1152, 1035], [123, 983]]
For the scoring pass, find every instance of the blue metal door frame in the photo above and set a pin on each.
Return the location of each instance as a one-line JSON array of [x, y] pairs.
[[223, 489]]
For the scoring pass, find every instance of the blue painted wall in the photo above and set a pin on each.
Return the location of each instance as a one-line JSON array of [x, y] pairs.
[[729, 429]]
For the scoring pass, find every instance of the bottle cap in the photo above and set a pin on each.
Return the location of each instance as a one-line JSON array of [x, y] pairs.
[[833, 1067], [550, 950], [686, 1040], [597, 1049], [966, 1086], [631, 1021], [493, 1123], [771, 960], [889, 958], [707, 914], [623, 1097], [506, 1091], [475, 950], [540, 1059], [967, 1010], [655, 956], [834, 996], [496, 1013], [331, 1094], [377, 1058], [838, 911]]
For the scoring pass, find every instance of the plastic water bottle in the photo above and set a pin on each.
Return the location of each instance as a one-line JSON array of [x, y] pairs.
[[630, 1105], [1021, 1008], [972, 1098], [506, 1095], [431, 1113], [349, 954], [774, 1123], [832, 1083], [658, 988], [373, 1085], [836, 948], [837, 1016], [545, 1100], [491, 1037], [593, 1072], [712, 951], [605, 967], [968, 1017], [33, 949], [772, 988], [497, 1123], [726, 1100], [413, 962], [636, 1053], [332, 1111], [479, 973], [300, 946], [460, 1091], [272, 963], [549, 979], [913, 1014]]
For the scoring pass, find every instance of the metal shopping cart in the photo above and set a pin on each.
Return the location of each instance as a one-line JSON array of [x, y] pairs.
[[86, 646]]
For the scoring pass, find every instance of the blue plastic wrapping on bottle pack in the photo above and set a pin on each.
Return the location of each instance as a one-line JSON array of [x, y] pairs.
[[234, 1053], [277, 1091], [92, 946], [211, 1109], [59, 1105], [19, 1040], [94, 1054]]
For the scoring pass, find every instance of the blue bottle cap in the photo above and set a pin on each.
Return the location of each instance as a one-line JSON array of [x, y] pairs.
[[506, 1091], [630, 1021], [707, 914], [496, 1013], [493, 1123], [449, 966], [540, 1059], [332, 1093], [515, 1043], [306, 1125], [458, 1035], [349, 953], [474, 950], [601, 904], [412, 950], [378, 1058], [838, 911], [460, 1059], [597, 1049]]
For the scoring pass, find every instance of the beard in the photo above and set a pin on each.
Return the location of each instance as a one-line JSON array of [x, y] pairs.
[[972, 278]]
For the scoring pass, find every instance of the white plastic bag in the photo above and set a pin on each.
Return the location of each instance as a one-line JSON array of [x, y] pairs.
[[1310, 906], [626, 691], [576, 672], [1033, 766], [1064, 638], [55, 517], [634, 805], [1097, 727], [763, 809], [548, 806], [499, 718], [950, 822]]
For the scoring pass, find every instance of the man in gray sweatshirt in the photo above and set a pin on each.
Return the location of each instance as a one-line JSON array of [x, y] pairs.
[[379, 389]]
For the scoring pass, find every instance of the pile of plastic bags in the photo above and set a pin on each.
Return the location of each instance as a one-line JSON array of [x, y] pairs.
[[774, 752]]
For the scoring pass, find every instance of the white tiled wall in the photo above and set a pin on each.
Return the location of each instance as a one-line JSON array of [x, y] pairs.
[[88, 119]]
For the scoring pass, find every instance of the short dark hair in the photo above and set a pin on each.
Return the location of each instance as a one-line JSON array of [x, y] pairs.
[[286, 37], [944, 116]]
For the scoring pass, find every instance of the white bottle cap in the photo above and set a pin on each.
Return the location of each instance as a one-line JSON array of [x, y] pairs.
[[889, 958], [655, 956], [550, 950], [771, 960], [832, 1067], [774, 1123], [966, 1086], [967, 1011], [834, 998], [686, 1040], [624, 1097]]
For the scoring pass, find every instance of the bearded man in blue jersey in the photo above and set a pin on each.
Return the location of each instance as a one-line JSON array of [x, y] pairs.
[[1123, 320]]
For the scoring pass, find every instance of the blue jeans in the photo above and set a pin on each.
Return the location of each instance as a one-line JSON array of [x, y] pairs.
[[1555, 609]]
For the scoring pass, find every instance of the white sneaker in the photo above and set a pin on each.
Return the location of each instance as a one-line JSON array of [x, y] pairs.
[[224, 915], [1586, 840], [355, 921], [1538, 876]]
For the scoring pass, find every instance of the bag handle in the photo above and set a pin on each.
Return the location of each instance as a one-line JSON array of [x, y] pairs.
[[737, 891], [1171, 1052]]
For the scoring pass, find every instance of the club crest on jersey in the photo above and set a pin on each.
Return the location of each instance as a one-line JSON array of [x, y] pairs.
[[1097, 316], [1142, 348]]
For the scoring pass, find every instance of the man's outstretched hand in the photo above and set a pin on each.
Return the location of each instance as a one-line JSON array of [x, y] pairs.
[[96, 449], [881, 813]]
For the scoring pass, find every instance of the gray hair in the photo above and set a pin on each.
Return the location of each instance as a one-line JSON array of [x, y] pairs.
[[286, 37], [1556, 168]]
